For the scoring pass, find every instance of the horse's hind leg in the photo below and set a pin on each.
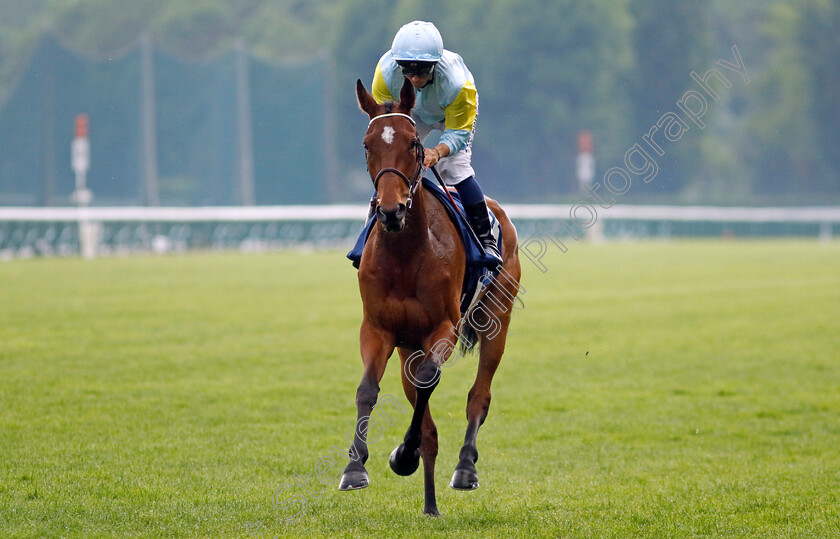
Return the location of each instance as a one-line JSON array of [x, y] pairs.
[[478, 401], [376, 348], [404, 457]]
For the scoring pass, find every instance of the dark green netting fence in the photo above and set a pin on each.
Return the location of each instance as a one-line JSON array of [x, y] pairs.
[[199, 152], [198, 166], [288, 125], [37, 123]]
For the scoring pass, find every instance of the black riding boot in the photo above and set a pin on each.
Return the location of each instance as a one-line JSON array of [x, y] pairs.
[[480, 222]]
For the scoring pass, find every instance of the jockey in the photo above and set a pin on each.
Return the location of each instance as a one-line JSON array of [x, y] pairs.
[[447, 101]]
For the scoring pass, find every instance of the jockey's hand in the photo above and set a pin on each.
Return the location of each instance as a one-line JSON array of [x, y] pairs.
[[433, 155]]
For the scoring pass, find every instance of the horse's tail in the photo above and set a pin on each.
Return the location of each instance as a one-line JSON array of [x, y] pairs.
[[468, 338]]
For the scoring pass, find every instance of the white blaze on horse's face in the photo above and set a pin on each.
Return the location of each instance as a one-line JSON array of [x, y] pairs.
[[388, 134]]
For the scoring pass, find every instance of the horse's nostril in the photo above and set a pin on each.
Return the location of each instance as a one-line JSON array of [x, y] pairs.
[[391, 212], [392, 216], [384, 215]]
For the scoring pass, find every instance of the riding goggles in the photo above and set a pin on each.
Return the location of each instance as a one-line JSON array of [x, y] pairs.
[[416, 69]]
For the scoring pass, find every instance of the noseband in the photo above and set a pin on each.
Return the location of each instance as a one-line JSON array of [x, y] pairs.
[[412, 183]]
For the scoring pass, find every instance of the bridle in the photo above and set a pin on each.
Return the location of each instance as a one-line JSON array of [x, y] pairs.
[[413, 182]]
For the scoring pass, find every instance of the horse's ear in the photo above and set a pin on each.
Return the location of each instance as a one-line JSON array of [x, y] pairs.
[[366, 101], [407, 96]]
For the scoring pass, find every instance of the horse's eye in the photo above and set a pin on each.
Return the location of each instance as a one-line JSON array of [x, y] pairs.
[[365, 146]]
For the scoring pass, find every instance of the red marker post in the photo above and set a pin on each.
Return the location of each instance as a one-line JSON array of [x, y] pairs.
[[585, 175], [585, 160], [90, 231], [80, 161]]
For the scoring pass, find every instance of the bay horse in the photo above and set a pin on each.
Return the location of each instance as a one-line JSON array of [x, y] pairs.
[[410, 279]]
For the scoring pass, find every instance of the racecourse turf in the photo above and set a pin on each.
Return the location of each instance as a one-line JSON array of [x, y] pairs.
[[650, 389]]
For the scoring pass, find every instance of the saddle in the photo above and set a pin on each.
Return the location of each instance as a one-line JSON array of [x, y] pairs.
[[476, 274]]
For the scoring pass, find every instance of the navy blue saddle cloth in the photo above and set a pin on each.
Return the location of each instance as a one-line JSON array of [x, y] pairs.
[[477, 271]]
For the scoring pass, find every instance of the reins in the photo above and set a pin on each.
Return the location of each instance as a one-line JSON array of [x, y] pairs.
[[415, 182]]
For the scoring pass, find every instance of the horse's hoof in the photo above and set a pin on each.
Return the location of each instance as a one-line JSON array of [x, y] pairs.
[[403, 464], [431, 512], [354, 480], [464, 480]]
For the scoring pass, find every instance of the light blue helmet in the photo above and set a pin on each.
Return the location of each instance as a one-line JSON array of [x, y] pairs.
[[419, 41]]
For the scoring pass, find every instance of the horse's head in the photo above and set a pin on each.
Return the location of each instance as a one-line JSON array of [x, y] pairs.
[[394, 154]]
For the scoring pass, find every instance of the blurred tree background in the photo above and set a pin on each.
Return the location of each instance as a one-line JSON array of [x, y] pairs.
[[545, 70]]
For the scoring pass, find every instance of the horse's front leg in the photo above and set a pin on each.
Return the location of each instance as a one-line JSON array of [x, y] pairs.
[[420, 375], [376, 347], [428, 441]]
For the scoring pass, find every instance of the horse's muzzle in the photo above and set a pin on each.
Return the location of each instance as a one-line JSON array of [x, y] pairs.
[[392, 217]]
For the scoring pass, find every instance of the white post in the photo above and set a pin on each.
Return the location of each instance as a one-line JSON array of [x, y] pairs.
[[89, 231], [585, 175], [825, 232]]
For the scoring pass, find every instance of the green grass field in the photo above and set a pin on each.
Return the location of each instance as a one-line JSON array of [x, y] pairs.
[[649, 389]]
